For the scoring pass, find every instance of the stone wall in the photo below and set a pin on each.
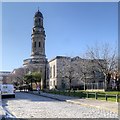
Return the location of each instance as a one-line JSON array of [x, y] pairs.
[[76, 71]]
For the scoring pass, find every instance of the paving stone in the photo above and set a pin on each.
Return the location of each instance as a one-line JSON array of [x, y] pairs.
[[32, 106]]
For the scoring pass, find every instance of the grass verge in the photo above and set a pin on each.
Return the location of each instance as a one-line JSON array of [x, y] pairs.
[[111, 95]]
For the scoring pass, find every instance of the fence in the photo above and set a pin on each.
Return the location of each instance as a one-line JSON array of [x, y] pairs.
[[82, 94], [95, 85], [96, 95]]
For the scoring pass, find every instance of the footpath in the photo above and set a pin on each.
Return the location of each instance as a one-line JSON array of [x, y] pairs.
[[100, 104], [2, 112]]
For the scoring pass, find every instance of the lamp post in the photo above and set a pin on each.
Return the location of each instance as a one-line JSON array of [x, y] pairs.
[[85, 81]]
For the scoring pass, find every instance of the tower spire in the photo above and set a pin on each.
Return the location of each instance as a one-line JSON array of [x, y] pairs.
[[38, 8]]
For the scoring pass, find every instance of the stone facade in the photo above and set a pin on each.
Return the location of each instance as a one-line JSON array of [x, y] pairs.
[[61, 72], [4, 75], [38, 59], [63, 69]]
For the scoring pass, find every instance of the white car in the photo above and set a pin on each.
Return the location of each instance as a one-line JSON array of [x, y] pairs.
[[7, 90]]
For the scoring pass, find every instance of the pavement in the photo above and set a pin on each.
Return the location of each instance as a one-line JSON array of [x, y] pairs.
[[100, 104], [2, 112], [26, 105]]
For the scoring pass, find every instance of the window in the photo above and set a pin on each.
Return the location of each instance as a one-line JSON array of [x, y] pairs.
[[50, 83], [34, 44], [35, 23], [39, 21], [53, 83], [47, 83], [47, 73], [50, 72], [39, 44], [54, 71]]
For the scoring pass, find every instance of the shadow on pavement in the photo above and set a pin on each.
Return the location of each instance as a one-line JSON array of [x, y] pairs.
[[38, 98]]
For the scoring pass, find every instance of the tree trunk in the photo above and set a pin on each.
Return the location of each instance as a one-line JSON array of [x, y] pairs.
[[84, 85], [105, 85], [31, 80], [70, 84]]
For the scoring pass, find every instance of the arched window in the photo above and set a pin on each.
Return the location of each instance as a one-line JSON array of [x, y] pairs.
[[35, 22], [39, 44], [43, 45], [34, 44], [39, 20]]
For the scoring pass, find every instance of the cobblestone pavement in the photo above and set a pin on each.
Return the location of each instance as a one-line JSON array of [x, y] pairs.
[[101, 104], [32, 106]]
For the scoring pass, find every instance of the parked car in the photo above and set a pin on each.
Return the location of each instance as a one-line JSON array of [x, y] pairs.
[[7, 90]]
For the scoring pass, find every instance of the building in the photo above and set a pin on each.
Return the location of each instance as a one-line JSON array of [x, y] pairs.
[[3, 76], [66, 72], [62, 72], [56, 67], [38, 59]]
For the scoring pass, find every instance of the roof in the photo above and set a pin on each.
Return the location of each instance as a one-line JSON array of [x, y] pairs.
[[38, 14], [59, 57], [4, 73]]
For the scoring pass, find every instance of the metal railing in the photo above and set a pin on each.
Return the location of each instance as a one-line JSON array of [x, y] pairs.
[[95, 85], [106, 96]]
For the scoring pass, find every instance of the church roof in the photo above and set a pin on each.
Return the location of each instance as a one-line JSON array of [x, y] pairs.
[[38, 14]]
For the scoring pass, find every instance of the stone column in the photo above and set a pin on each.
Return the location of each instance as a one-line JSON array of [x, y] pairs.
[[41, 83]]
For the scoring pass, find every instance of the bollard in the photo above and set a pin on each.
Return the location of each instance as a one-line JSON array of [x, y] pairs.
[[106, 97], [87, 94], [96, 95], [117, 98]]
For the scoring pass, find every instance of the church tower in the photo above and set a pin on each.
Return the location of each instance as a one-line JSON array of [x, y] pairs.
[[37, 61], [38, 37]]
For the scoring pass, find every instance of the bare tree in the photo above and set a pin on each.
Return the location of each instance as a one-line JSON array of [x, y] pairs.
[[66, 73], [70, 75], [16, 77], [86, 73], [105, 60]]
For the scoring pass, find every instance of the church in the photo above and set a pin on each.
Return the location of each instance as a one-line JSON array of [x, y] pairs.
[[54, 71], [38, 59]]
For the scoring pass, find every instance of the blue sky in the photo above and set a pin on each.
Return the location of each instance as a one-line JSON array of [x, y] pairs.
[[69, 27]]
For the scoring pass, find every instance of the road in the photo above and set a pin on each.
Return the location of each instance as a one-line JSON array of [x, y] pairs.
[[27, 105]]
